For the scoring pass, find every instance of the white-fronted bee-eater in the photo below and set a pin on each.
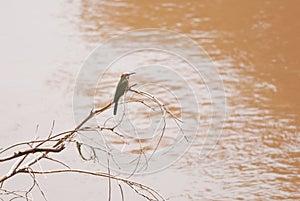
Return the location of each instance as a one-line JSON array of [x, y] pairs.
[[122, 87]]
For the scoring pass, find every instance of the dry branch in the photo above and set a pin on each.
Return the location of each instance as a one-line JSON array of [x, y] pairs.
[[56, 143]]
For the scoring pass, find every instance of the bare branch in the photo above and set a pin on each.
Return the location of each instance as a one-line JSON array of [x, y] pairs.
[[31, 151], [40, 149], [35, 183], [102, 174], [17, 194]]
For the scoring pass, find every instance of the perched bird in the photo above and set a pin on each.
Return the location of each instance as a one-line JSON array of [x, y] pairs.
[[121, 88]]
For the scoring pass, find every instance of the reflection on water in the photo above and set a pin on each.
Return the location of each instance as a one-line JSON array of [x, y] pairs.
[[255, 46]]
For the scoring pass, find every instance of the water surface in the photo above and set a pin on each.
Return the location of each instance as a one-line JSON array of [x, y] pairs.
[[254, 45]]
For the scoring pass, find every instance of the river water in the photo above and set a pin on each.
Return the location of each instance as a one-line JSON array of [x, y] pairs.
[[254, 46]]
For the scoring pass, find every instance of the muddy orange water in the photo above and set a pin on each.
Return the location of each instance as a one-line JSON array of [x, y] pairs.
[[255, 45]]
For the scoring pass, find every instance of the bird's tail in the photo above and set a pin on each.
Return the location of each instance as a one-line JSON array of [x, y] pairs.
[[115, 107]]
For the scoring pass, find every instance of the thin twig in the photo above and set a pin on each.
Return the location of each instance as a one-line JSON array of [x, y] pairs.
[[57, 161], [121, 191]]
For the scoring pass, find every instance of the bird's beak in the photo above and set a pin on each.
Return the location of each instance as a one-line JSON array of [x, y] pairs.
[[131, 73]]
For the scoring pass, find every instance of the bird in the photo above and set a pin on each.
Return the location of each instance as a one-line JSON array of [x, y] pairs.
[[121, 88]]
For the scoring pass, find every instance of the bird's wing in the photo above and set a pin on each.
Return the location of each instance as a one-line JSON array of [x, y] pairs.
[[120, 89]]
